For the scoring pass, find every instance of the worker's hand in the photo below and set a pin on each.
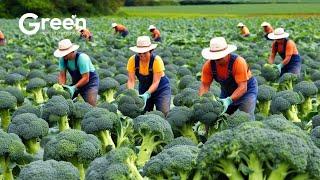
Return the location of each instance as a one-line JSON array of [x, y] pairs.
[[145, 97], [71, 89], [279, 66], [226, 103]]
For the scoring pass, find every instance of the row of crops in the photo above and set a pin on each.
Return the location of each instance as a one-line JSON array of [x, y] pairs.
[[46, 135]]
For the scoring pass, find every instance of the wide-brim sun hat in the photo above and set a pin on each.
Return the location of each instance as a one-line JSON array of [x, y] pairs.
[[218, 49], [143, 45], [114, 25], [240, 25], [151, 27], [265, 24], [64, 48], [278, 33]]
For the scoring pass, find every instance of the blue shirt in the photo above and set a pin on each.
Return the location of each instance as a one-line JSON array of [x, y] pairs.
[[84, 64]]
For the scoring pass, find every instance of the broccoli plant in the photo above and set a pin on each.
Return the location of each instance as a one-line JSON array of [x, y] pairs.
[[130, 104], [270, 72], [30, 129], [107, 88], [315, 136], [154, 131], [180, 119], [308, 90], [265, 95], [49, 169], [27, 108], [14, 91], [186, 81], [15, 79], [11, 151], [179, 161], [56, 90], [286, 81], [286, 102], [7, 103], [186, 97], [57, 109], [74, 146], [101, 123], [35, 86], [315, 121], [77, 114]]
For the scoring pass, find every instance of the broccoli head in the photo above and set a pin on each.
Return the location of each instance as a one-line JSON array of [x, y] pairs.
[[30, 129], [315, 136], [186, 97], [7, 103], [27, 108], [35, 86], [109, 106], [180, 141], [186, 81], [77, 114], [14, 91], [107, 88], [315, 121], [130, 104], [154, 131], [15, 79], [56, 90], [265, 95], [270, 72], [286, 81], [49, 169], [74, 146]]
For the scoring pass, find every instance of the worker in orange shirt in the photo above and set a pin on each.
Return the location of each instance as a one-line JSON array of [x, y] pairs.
[[243, 30], [288, 51], [238, 86], [121, 29], [267, 28], [86, 34], [2, 39], [155, 33], [154, 86]]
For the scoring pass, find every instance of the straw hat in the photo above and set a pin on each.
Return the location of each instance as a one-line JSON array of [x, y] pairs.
[[114, 25], [151, 27], [65, 47], [143, 45], [218, 49], [240, 25], [265, 24], [278, 34]]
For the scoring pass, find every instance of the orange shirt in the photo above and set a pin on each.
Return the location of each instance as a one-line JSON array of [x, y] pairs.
[[86, 33], [291, 48], [155, 33], [1, 35], [240, 71], [245, 31], [268, 29], [120, 28]]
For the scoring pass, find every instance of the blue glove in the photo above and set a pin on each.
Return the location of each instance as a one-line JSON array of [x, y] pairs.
[[145, 97], [71, 89], [279, 66], [226, 103]]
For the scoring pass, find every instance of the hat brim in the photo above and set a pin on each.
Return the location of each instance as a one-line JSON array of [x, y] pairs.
[[207, 54], [274, 37], [61, 53], [143, 49]]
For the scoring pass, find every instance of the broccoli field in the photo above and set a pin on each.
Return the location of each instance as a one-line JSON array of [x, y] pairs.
[[45, 134]]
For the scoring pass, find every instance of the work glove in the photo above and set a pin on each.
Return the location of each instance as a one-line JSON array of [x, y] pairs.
[[279, 66], [71, 89], [226, 103], [145, 97]]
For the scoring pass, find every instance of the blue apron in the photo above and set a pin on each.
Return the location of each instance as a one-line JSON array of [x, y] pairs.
[[247, 102], [76, 76], [161, 97], [294, 65], [124, 33]]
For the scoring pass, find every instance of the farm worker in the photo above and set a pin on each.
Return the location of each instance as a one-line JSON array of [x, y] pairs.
[[288, 51], [121, 29], [85, 34], [238, 86], [85, 80], [154, 86], [243, 30], [155, 33], [2, 39], [267, 28]]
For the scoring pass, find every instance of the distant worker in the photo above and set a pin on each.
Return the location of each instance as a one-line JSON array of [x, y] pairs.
[[85, 80], [121, 29], [267, 28], [85, 34], [2, 39], [243, 30], [155, 33], [239, 87], [288, 51]]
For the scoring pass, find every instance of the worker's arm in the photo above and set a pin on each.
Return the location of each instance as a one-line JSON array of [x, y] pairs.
[[62, 77], [240, 91], [204, 88], [289, 52], [272, 55], [131, 80], [84, 80], [155, 82]]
